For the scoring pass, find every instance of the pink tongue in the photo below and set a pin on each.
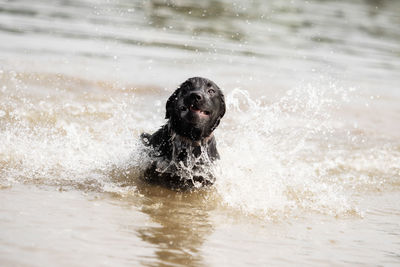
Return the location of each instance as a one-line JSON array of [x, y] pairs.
[[195, 109]]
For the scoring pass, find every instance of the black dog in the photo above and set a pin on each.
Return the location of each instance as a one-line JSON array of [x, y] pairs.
[[185, 148]]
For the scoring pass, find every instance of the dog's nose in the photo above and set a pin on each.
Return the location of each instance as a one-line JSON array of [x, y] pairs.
[[196, 96]]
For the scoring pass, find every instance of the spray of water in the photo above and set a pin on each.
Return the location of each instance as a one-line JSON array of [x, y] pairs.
[[271, 168], [277, 159]]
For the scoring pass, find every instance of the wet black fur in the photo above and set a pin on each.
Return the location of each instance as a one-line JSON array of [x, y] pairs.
[[187, 136]]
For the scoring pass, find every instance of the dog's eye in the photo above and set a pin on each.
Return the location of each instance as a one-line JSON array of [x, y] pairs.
[[183, 108], [211, 91]]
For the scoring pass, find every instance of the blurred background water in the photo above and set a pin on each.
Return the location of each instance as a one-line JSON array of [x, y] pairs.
[[310, 168], [251, 42]]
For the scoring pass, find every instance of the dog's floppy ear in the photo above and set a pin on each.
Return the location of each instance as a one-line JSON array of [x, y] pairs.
[[221, 113], [174, 97], [170, 103]]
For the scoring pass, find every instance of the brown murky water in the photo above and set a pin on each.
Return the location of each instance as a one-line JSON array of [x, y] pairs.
[[310, 152]]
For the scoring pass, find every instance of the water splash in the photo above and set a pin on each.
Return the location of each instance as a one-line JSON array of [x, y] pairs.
[[278, 159], [64, 138]]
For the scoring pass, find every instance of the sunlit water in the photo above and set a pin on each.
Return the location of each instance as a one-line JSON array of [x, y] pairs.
[[310, 150]]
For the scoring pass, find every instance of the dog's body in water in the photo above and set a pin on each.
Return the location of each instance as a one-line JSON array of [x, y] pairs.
[[184, 149]]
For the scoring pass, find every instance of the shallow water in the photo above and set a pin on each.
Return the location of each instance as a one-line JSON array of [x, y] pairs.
[[310, 151]]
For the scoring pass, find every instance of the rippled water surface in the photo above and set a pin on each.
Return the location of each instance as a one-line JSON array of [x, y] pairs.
[[310, 144]]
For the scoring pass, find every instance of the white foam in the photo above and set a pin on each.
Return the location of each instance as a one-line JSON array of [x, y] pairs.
[[277, 159], [271, 154]]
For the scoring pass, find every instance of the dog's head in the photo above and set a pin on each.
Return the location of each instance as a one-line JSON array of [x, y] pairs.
[[196, 108]]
